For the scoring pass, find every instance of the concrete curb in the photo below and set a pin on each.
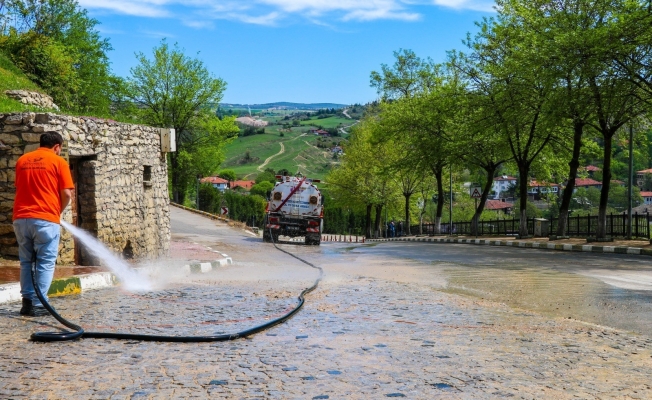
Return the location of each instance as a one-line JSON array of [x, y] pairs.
[[588, 248], [10, 292]]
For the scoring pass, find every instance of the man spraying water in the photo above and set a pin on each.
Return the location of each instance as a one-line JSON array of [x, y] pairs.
[[43, 190]]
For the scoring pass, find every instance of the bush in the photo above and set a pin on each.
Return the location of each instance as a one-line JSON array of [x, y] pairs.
[[266, 176], [262, 189], [45, 62]]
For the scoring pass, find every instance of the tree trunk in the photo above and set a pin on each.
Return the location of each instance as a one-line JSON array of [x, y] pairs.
[[368, 222], [601, 229], [578, 129], [379, 215], [523, 171], [440, 198], [406, 225], [491, 170]]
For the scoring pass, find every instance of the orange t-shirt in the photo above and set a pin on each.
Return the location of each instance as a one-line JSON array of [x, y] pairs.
[[40, 177]]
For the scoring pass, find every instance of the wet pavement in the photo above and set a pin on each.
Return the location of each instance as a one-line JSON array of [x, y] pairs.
[[408, 320]]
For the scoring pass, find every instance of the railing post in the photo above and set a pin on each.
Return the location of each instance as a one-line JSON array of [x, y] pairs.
[[588, 224], [636, 222]]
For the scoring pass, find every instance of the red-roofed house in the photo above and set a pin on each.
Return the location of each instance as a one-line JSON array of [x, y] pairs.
[[587, 183], [246, 185], [498, 205], [647, 198], [640, 176], [217, 182], [536, 189], [591, 169]]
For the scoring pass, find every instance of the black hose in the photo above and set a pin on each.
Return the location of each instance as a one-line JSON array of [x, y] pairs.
[[67, 335]]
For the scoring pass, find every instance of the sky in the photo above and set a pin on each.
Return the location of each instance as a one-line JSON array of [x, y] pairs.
[[304, 51]]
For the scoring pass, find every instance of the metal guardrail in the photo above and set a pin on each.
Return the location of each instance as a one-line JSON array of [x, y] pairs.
[[578, 226]]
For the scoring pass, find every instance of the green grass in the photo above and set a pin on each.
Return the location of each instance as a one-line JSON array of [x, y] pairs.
[[330, 122], [12, 78], [300, 154]]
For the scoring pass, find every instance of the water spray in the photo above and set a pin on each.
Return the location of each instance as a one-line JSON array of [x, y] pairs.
[[80, 333]]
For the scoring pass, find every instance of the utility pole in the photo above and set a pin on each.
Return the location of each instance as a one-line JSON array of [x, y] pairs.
[[629, 186], [450, 208]]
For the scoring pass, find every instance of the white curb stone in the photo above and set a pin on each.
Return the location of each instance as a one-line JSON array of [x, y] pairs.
[[96, 281], [9, 293]]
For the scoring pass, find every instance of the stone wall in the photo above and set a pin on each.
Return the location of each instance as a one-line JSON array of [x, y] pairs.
[[32, 98], [121, 182]]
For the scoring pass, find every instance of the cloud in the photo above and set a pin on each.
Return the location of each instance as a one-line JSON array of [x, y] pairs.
[[476, 5], [140, 8], [157, 34], [271, 12]]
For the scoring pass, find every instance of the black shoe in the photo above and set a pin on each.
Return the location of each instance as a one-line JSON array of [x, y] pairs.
[[29, 310], [27, 307]]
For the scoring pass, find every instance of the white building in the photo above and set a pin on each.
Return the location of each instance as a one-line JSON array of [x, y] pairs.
[[501, 184], [647, 198]]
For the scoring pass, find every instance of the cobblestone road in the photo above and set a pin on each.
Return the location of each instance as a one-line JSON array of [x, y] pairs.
[[361, 335]]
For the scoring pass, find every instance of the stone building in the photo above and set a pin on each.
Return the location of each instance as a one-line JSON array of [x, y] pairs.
[[121, 183]]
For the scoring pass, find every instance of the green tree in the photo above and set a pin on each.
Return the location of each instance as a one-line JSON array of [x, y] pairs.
[[64, 23], [172, 89], [227, 174], [516, 89], [266, 176], [263, 189]]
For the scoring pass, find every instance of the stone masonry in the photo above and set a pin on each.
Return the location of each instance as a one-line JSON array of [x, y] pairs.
[[32, 98], [120, 178]]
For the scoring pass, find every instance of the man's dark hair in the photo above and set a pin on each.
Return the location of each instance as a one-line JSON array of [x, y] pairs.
[[51, 139]]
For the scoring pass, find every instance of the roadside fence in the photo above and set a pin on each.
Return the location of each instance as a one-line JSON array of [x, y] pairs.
[[578, 226]]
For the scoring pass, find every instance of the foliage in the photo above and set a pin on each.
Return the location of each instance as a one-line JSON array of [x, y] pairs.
[[249, 209], [174, 91], [227, 174], [266, 176], [263, 189], [56, 43]]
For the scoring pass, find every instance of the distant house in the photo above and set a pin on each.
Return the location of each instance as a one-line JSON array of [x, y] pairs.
[[587, 183], [647, 198], [591, 169], [217, 182], [337, 149], [245, 185], [499, 205], [323, 133], [501, 184], [536, 189], [640, 176]]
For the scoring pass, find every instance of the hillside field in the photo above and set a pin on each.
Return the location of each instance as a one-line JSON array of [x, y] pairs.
[[300, 152]]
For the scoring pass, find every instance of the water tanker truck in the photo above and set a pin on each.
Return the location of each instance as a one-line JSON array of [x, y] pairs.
[[295, 209]]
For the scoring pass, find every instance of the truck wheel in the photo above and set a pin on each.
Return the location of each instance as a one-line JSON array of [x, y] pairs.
[[266, 236], [313, 240]]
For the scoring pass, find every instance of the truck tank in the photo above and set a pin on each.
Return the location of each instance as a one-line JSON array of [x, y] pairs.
[[295, 208]]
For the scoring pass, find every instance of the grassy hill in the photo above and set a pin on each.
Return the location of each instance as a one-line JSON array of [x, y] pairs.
[[12, 78], [296, 150], [284, 105]]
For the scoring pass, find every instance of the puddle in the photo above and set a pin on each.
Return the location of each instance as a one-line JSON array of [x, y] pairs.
[[557, 294]]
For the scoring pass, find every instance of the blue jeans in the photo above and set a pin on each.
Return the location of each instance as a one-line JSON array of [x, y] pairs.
[[37, 240]]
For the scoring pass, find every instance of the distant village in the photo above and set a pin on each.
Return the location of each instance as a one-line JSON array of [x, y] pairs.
[[502, 193]]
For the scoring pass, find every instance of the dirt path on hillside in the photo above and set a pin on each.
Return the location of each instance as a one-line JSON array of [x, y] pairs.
[[262, 166]]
